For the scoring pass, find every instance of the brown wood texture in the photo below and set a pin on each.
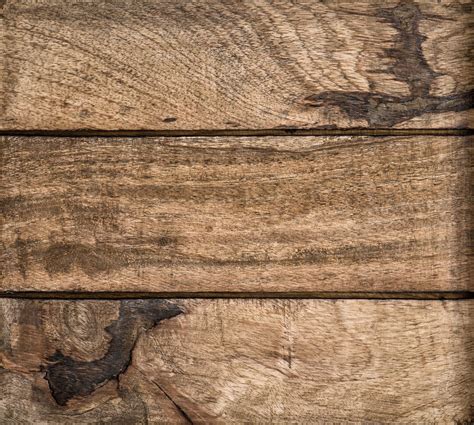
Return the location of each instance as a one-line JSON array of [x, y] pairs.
[[164, 65], [274, 214], [236, 361]]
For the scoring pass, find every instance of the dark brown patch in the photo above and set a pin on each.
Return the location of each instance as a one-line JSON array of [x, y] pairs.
[[409, 66], [12, 206], [21, 248], [68, 378], [232, 123], [103, 214], [170, 119], [105, 258], [466, 8], [60, 258], [166, 240], [354, 254]]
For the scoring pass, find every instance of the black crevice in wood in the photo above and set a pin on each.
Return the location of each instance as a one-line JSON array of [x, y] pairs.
[[180, 410], [69, 378], [111, 295], [380, 132], [410, 67]]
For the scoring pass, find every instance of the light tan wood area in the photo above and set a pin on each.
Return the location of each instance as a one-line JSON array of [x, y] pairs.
[[174, 64], [287, 214], [236, 361]]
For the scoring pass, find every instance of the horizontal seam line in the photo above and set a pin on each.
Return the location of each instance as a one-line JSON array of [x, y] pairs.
[[379, 295], [238, 133]]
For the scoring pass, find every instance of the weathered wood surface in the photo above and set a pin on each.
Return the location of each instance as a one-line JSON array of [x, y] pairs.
[[164, 65], [284, 214], [236, 361], [275, 214]]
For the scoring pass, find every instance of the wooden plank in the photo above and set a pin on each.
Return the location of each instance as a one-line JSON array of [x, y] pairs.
[[285, 214], [236, 361], [236, 65]]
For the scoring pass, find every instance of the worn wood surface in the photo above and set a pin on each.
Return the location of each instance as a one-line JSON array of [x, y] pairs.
[[284, 214], [236, 216], [236, 361], [164, 65]]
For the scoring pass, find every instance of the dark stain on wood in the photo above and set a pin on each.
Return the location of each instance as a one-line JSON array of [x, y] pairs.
[[21, 248], [409, 66], [68, 378], [60, 258], [102, 257]]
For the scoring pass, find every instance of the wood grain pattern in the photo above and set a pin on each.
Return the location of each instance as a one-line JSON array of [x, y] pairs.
[[236, 361], [283, 214], [172, 64]]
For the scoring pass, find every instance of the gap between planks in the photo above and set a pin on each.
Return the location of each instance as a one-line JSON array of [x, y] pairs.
[[111, 295], [240, 132]]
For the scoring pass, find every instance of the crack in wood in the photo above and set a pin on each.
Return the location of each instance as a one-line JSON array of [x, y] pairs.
[[68, 378], [410, 67], [180, 410]]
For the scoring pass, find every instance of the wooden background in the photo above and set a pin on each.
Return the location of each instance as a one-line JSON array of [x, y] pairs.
[[236, 212], [241, 361], [175, 64]]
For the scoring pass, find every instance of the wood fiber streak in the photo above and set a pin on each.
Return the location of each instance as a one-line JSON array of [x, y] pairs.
[[237, 361], [258, 215], [175, 64]]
